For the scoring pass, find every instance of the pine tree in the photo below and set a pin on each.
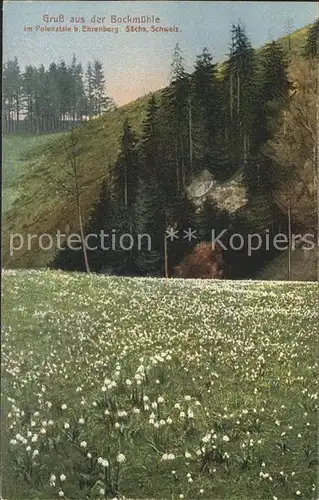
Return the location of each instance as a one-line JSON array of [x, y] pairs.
[[124, 186], [37, 100], [90, 91], [127, 166], [239, 95], [41, 91], [272, 91], [55, 97], [176, 103], [101, 220], [64, 83], [150, 142], [98, 81], [149, 207], [77, 90], [149, 220], [205, 111], [12, 95], [27, 85]]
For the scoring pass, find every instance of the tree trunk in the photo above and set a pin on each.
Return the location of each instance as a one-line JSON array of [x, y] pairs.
[[316, 159], [182, 160], [177, 168], [31, 117], [231, 97], [125, 187], [238, 93], [9, 115], [190, 135], [86, 260], [289, 240], [18, 112], [165, 256]]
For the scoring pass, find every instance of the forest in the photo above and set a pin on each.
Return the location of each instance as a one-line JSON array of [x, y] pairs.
[[254, 114], [41, 100]]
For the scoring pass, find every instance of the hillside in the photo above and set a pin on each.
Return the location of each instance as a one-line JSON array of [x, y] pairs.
[[304, 266], [16, 149], [41, 208]]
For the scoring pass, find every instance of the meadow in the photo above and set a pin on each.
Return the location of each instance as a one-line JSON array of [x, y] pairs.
[[158, 389], [17, 150]]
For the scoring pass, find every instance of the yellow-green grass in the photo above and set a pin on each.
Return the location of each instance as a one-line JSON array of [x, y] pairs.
[[16, 149]]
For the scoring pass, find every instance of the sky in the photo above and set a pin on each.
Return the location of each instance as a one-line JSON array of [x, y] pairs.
[[137, 63]]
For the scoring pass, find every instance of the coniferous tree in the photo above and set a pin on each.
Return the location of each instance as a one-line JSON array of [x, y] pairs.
[[37, 99], [149, 227], [55, 97], [12, 94], [77, 90], [90, 91], [101, 225], [98, 81], [42, 97], [127, 166], [205, 111], [272, 91], [150, 141], [124, 186], [149, 207], [239, 95], [51, 99], [65, 86], [176, 103], [28, 95], [6, 119]]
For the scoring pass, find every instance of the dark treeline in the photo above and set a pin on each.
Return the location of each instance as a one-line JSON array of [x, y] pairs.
[[41, 100], [214, 118]]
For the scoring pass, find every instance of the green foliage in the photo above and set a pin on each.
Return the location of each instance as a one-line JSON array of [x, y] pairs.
[[239, 94], [272, 93], [125, 171], [311, 50], [176, 111], [206, 112], [149, 220], [41, 101]]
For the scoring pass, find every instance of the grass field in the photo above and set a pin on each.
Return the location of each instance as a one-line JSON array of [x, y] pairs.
[[158, 389], [16, 150]]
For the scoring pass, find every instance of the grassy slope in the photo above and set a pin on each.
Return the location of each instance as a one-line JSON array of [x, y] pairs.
[[297, 41], [40, 209], [303, 266], [15, 151], [245, 351]]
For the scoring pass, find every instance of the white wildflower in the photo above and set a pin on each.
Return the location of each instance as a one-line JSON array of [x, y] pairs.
[[120, 458]]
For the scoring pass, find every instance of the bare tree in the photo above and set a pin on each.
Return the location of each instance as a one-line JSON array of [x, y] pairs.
[[71, 182], [294, 149]]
